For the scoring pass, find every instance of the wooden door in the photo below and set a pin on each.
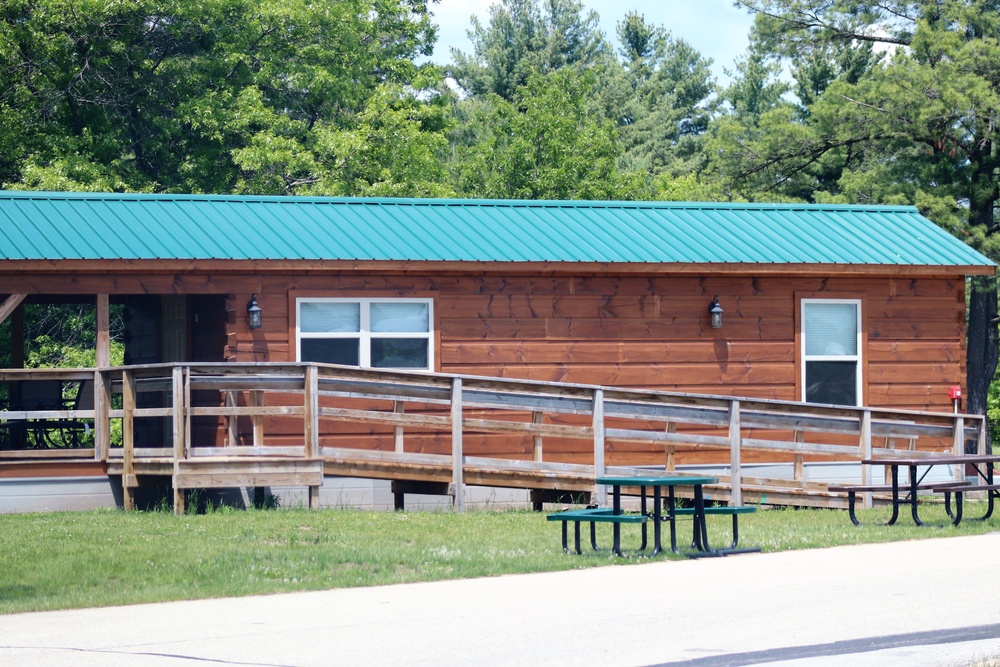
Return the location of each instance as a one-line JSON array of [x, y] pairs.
[[173, 328]]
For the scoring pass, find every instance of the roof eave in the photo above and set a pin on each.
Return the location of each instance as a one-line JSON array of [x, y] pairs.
[[217, 266]]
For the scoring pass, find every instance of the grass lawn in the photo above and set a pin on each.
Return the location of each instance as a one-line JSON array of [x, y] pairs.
[[110, 557]]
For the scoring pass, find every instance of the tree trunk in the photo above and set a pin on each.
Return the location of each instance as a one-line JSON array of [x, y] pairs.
[[983, 350]]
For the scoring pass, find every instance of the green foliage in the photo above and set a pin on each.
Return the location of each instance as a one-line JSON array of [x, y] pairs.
[[212, 96], [545, 145], [526, 37], [917, 126], [667, 101]]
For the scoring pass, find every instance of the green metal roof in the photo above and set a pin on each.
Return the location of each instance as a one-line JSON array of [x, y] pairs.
[[57, 226]]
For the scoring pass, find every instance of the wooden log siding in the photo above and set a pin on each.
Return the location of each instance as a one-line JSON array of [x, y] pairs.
[[640, 331]]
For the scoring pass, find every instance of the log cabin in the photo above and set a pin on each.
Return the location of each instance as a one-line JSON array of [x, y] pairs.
[[831, 304]]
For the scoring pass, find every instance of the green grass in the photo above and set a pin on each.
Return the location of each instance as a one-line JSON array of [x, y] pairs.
[[110, 557]]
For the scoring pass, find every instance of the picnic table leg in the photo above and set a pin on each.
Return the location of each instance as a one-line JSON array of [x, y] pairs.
[[576, 536], [672, 518], [851, 498], [990, 493], [616, 530], [593, 536], [913, 495], [565, 545], [657, 517], [895, 496], [700, 524], [642, 510]]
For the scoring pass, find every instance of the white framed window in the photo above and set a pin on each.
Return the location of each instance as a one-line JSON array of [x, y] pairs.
[[831, 351], [370, 333]]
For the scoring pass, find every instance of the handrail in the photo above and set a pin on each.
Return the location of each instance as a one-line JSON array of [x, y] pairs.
[[450, 406]]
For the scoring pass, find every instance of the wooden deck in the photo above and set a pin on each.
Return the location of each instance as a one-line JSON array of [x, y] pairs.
[[234, 425]]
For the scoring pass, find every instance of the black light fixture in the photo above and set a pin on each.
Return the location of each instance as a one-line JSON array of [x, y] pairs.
[[715, 312], [253, 313]]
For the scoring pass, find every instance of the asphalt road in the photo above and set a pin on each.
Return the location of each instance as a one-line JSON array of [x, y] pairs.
[[931, 602]]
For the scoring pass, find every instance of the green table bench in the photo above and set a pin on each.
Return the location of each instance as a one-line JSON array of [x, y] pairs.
[[735, 512], [593, 516]]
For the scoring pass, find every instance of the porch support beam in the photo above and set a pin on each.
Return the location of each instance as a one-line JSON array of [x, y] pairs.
[[9, 305], [103, 331]]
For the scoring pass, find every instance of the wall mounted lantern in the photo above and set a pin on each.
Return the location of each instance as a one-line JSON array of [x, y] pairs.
[[715, 312], [253, 313]]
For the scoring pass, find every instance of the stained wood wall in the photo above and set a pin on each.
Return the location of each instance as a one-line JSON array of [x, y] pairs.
[[652, 332], [633, 331]]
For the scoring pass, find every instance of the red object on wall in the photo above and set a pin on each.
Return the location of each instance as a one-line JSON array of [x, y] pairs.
[[955, 392]]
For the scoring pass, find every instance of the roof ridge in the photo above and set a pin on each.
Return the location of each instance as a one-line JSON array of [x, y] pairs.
[[456, 202]]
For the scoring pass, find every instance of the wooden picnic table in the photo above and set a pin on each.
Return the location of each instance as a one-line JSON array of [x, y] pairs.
[[982, 464]]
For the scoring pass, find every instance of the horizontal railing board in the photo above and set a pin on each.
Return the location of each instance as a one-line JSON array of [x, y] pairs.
[[248, 451], [390, 418], [248, 411], [639, 435], [82, 453], [479, 398]]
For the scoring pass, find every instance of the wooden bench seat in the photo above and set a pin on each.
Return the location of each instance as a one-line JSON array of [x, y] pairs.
[[904, 489], [593, 516], [948, 488], [734, 512]]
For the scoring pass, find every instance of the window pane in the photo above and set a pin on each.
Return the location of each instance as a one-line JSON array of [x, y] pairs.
[[399, 353], [400, 317], [331, 350], [831, 329], [832, 382], [325, 317]]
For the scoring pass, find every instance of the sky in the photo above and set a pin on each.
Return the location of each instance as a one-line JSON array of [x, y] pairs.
[[716, 28]]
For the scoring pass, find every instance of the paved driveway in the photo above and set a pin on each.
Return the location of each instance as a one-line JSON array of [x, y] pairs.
[[925, 602]]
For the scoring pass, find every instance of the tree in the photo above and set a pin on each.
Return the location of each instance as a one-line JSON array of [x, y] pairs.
[[525, 37], [544, 145], [920, 126], [164, 95], [667, 103]]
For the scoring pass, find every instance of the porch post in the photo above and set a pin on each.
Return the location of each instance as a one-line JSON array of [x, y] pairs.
[[103, 331], [128, 439], [102, 386]]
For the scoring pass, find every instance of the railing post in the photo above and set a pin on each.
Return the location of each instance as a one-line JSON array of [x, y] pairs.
[[257, 401], [128, 439], [311, 425], [981, 438], [669, 451], [798, 461], [958, 445], [102, 415], [536, 441], [735, 441], [866, 453], [600, 492], [232, 421], [456, 445], [398, 407], [179, 432]]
